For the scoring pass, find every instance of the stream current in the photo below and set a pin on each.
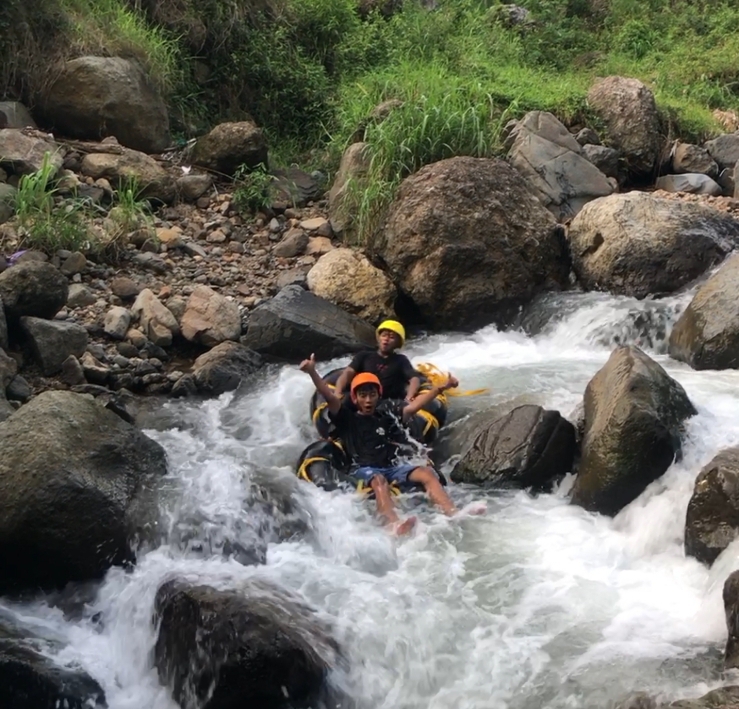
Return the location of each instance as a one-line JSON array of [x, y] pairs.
[[537, 604]]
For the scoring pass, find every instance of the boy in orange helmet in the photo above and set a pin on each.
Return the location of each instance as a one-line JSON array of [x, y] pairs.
[[372, 435]]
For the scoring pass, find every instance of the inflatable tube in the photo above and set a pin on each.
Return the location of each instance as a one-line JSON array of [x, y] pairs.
[[425, 424]]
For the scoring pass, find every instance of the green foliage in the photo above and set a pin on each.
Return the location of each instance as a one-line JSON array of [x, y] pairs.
[[43, 223], [252, 189], [129, 213]]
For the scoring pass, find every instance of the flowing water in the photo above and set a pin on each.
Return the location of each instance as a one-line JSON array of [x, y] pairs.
[[536, 604]]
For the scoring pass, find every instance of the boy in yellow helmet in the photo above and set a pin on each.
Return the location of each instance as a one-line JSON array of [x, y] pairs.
[[398, 378]]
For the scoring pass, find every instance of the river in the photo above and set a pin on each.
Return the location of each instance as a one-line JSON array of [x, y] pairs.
[[537, 604]]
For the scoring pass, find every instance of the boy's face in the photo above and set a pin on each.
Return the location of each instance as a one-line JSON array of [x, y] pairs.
[[366, 398], [388, 341]]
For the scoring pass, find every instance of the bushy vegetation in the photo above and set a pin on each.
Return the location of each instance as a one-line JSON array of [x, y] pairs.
[[311, 71]]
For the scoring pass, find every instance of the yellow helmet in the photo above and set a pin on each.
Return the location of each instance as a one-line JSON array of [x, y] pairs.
[[393, 326]]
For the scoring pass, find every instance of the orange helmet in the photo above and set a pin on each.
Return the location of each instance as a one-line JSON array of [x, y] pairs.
[[365, 378]]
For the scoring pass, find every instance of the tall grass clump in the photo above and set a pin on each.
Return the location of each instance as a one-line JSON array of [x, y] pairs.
[[44, 224]]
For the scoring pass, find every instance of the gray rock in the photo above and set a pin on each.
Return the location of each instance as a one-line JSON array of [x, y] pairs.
[[607, 160], [13, 114], [19, 389], [587, 136], [33, 288], [712, 519], [210, 318], [72, 505], [731, 609], [295, 323], [95, 97], [157, 322], [693, 183], [125, 288], [192, 187], [117, 321], [634, 412], [550, 159], [72, 372], [75, 263], [290, 277], [355, 164], [23, 154], [53, 341], [224, 368], [724, 149], [687, 158], [80, 296], [151, 262], [293, 244], [528, 448], [229, 146]]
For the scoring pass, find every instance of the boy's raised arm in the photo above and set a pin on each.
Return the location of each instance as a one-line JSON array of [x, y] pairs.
[[309, 367]]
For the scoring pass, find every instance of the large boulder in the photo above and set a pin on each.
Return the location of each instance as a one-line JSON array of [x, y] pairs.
[[712, 520], [52, 341], [731, 609], [636, 244], [633, 416], [25, 154], [352, 173], [707, 334], [30, 680], [296, 323], [128, 166], [687, 158], [628, 109], [210, 318], [229, 146], [33, 288], [255, 647], [468, 243], [76, 486], [8, 370], [96, 97], [551, 160], [528, 448], [224, 367], [349, 280]]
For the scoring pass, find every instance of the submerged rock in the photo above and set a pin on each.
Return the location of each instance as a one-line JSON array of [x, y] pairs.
[[712, 520], [76, 490], [252, 647], [528, 448], [633, 416]]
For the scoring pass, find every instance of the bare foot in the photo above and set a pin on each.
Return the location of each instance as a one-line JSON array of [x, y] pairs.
[[400, 529], [479, 507]]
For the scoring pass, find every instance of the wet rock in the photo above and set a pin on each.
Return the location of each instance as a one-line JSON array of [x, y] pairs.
[[628, 109], [30, 680], [551, 161], [349, 280], [292, 244], [731, 609], [634, 413], [637, 244], [95, 97], [355, 164], [210, 318], [255, 646], [707, 334], [33, 288], [117, 321], [724, 698], [692, 183], [224, 367], [607, 160], [24, 154], [80, 296], [192, 187], [53, 341], [468, 243], [152, 179], [124, 288], [528, 448], [157, 322], [71, 505], [724, 149], [712, 520], [296, 322], [229, 146], [687, 158]]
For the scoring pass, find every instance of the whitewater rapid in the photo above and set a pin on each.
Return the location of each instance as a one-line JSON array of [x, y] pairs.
[[537, 604]]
